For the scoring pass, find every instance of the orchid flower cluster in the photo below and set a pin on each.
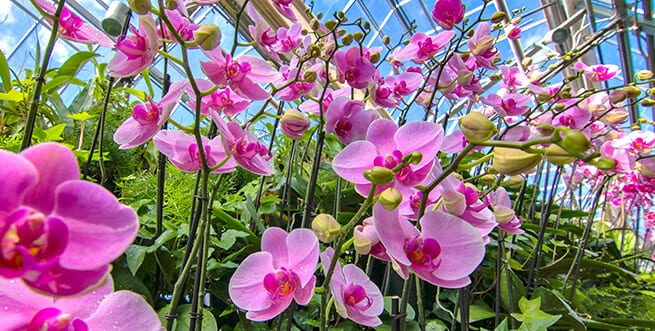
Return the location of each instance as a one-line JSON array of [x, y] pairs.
[[435, 192]]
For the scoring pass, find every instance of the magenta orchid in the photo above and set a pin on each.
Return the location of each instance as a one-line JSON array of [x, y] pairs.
[[289, 39], [242, 75], [135, 53], [73, 28], [505, 215], [422, 47], [356, 297], [283, 7], [46, 230], [354, 68], [266, 282], [183, 26], [483, 48], [386, 145], [599, 72], [445, 253], [390, 91], [182, 149], [507, 104], [447, 13], [244, 147], [101, 309], [348, 119], [223, 101]]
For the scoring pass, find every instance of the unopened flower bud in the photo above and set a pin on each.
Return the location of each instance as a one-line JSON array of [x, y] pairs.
[[647, 167], [545, 129], [375, 57], [487, 179], [315, 24], [208, 36], [498, 17], [648, 102], [365, 236], [558, 155], [631, 92], [141, 7], [510, 161], [515, 182], [309, 76], [413, 157], [603, 163], [617, 96], [454, 202], [170, 4], [331, 24], [644, 74], [314, 50], [503, 214], [386, 40], [347, 39], [575, 141], [379, 175], [358, 36], [294, 123], [476, 127], [325, 227], [495, 77], [560, 106], [390, 198], [367, 25]]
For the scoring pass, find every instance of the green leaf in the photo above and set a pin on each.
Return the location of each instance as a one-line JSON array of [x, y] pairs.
[[478, 312], [11, 96], [387, 307], [436, 325], [54, 133], [4, 72], [83, 116], [135, 255], [182, 323], [511, 289], [233, 223], [162, 239], [229, 237], [532, 317], [74, 63], [502, 326]]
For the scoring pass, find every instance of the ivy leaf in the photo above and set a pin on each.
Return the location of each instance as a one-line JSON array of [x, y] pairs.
[[533, 318], [135, 255], [229, 237]]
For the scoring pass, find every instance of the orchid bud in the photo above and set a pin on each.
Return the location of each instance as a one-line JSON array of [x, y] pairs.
[[617, 96], [648, 102], [454, 202], [315, 24], [309, 76], [390, 198], [603, 163], [558, 155], [331, 24], [515, 182], [631, 92], [545, 129], [510, 161], [379, 175], [575, 141], [314, 50], [386, 40], [647, 167], [358, 36], [347, 39], [141, 7], [170, 4], [498, 17], [375, 57], [503, 215], [476, 127], [294, 123], [487, 179], [413, 158], [644, 74], [208, 36], [364, 237], [325, 227]]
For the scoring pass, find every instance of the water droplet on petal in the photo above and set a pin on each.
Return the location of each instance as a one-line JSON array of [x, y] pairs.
[[5, 308]]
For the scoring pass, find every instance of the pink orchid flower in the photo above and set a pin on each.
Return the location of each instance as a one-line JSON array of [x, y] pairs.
[[242, 75], [447, 13], [390, 92], [444, 253], [507, 104], [221, 100], [599, 72], [265, 282], [47, 228], [73, 28], [135, 53], [312, 107], [283, 8], [289, 39], [147, 119], [182, 150], [355, 68], [513, 31], [483, 48], [386, 145], [422, 47], [356, 297], [101, 309], [183, 26], [348, 119], [244, 147], [513, 78], [505, 215], [574, 118]]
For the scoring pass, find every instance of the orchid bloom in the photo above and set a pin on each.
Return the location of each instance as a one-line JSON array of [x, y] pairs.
[[135, 53], [147, 119], [242, 75], [289, 39], [184, 153], [386, 145], [508, 104], [422, 47], [265, 282], [183, 26], [513, 78], [348, 119], [102, 309], [356, 297], [505, 215], [444, 253], [599, 72], [47, 228], [354, 68], [221, 100], [73, 28], [244, 147], [312, 107], [389, 93], [283, 8], [447, 13], [482, 46]]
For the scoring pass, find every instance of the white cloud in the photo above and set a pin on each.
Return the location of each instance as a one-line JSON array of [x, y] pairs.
[[60, 52], [6, 15], [7, 43]]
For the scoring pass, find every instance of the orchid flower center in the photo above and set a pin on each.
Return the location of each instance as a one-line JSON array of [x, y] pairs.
[[146, 114], [52, 319], [343, 126], [383, 92], [30, 235], [280, 284], [134, 46], [390, 160], [236, 71], [351, 74], [355, 296], [196, 158], [401, 88], [427, 48], [249, 149], [69, 23], [423, 253], [268, 37]]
